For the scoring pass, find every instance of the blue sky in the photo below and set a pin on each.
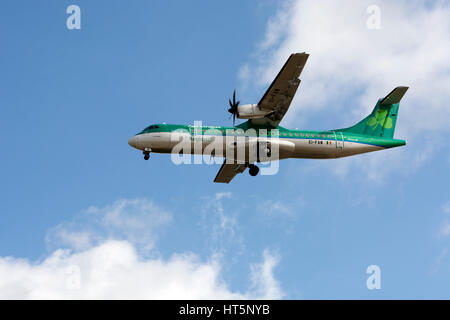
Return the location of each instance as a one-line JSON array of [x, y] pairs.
[[72, 98]]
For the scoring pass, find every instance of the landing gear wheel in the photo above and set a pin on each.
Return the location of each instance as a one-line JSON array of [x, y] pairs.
[[253, 170], [146, 155]]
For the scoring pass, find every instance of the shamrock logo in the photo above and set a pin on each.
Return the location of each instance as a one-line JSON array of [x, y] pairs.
[[380, 119]]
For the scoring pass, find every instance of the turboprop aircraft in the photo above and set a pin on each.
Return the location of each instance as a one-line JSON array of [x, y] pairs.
[[262, 132]]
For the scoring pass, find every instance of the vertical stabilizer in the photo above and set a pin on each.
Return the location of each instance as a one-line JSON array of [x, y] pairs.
[[381, 122]]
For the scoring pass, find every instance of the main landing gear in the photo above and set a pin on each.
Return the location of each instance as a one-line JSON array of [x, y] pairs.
[[253, 170]]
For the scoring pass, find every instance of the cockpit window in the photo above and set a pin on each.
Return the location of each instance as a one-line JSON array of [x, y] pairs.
[[154, 126]]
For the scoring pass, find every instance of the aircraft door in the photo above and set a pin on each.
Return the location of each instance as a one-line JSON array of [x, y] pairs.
[[339, 138]]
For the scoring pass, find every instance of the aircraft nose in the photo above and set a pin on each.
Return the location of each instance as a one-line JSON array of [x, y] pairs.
[[133, 142]]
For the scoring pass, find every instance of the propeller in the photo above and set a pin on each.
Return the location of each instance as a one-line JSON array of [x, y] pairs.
[[233, 106]]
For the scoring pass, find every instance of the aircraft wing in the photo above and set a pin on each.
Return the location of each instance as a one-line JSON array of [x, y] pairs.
[[278, 97], [228, 171]]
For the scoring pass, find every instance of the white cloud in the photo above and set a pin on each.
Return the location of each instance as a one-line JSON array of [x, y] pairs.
[[264, 284], [438, 261], [276, 208], [351, 66], [243, 73], [106, 261], [445, 229], [220, 225], [134, 220], [445, 226], [411, 48], [114, 270], [446, 208], [286, 208]]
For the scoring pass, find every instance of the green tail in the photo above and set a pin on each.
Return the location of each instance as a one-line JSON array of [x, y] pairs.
[[381, 122]]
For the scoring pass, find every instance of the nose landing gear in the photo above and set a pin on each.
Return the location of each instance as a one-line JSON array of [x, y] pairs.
[[253, 170], [146, 154]]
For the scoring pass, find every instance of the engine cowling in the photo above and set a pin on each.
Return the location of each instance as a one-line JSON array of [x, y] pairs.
[[250, 111]]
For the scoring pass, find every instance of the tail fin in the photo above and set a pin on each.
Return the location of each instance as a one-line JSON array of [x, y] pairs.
[[381, 122]]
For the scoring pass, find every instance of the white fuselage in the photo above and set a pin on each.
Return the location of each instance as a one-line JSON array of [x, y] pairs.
[[288, 147]]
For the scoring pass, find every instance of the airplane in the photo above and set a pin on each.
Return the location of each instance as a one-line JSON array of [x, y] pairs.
[[375, 132]]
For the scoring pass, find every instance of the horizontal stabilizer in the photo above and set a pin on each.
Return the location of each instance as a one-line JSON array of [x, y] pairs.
[[394, 96]]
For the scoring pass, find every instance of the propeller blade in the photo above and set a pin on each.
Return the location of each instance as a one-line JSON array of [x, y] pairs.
[[233, 107]]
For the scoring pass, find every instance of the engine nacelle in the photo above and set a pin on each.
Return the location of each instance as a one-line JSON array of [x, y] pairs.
[[250, 111]]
